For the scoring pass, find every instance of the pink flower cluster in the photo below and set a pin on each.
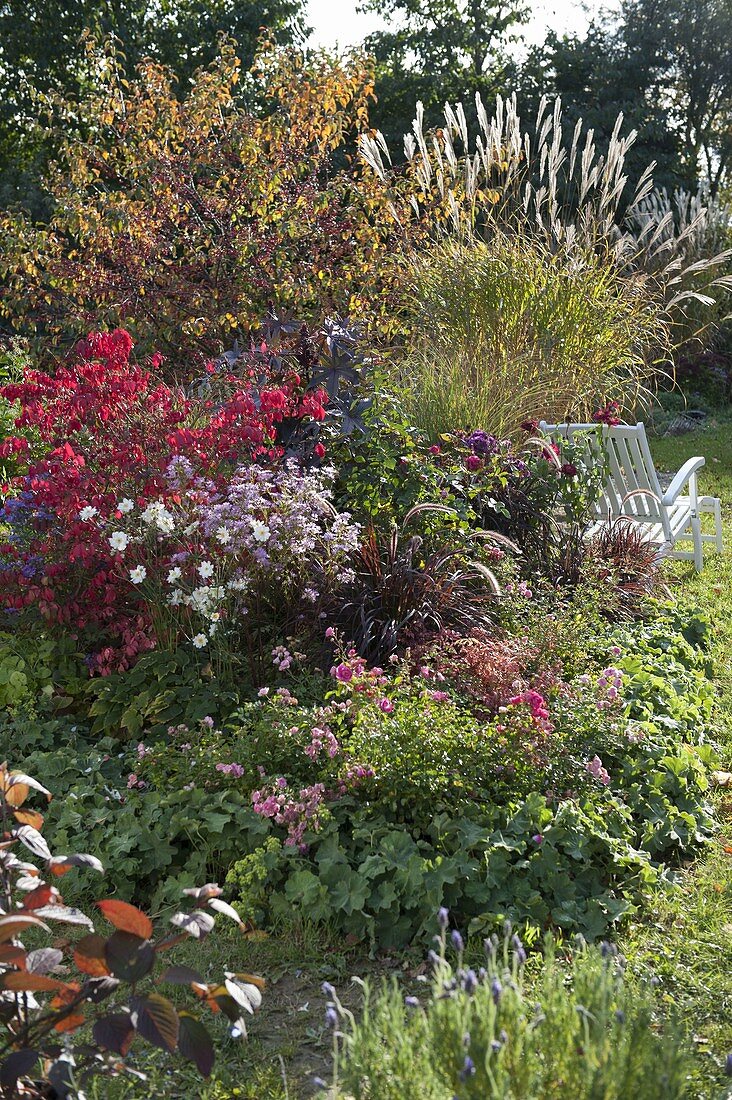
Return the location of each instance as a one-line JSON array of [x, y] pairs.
[[609, 685], [231, 769], [596, 769], [297, 813], [322, 739], [353, 672], [281, 658], [538, 707]]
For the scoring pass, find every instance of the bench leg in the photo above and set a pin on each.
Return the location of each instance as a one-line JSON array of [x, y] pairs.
[[698, 544], [718, 523]]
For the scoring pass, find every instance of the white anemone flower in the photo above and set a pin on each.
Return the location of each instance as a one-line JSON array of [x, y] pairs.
[[87, 513], [119, 541], [138, 574], [200, 641], [260, 530]]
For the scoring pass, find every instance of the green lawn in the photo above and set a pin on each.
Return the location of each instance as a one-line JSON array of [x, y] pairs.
[[685, 937]]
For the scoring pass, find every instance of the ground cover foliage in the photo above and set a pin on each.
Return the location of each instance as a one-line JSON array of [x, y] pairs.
[[283, 612]]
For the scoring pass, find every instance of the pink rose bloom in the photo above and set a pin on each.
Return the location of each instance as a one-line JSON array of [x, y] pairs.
[[473, 462], [386, 706], [344, 673], [439, 696]]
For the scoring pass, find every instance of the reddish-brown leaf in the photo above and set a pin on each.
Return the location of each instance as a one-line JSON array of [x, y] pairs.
[[16, 793], [156, 1020], [114, 1032], [69, 1023], [24, 981], [29, 817], [12, 956], [39, 897], [15, 923], [126, 917], [194, 1043], [89, 956]]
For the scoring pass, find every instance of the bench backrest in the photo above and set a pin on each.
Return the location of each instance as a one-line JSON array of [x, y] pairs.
[[632, 487]]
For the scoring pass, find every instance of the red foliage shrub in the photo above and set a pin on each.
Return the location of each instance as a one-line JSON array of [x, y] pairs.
[[100, 430], [490, 671]]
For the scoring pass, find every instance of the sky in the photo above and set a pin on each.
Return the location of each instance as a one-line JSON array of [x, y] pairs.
[[336, 22]]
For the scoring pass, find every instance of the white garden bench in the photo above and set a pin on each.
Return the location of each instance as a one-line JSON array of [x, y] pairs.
[[632, 490]]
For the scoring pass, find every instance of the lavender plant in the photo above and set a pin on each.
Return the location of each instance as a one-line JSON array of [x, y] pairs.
[[580, 1028]]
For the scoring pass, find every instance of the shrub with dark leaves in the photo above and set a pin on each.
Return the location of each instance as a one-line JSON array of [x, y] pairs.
[[112, 999], [406, 591], [626, 563]]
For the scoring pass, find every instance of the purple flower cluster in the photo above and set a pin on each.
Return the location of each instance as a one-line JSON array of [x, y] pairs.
[[231, 769], [281, 520], [481, 443]]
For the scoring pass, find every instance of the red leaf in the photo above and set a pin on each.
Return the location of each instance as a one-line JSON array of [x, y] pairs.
[[128, 918], [14, 923], [39, 897], [69, 1023], [89, 956], [25, 982]]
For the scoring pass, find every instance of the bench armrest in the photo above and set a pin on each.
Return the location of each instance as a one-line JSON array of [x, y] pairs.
[[685, 474]]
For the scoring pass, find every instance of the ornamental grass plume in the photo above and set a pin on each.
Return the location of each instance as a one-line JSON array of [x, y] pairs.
[[510, 315]]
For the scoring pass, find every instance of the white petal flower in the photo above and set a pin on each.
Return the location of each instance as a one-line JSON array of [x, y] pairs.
[[205, 570], [260, 530], [174, 575], [165, 522], [200, 641], [223, 535], [125, 506], [153, 511], [138, 574], [87, 513], [119, 541]]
